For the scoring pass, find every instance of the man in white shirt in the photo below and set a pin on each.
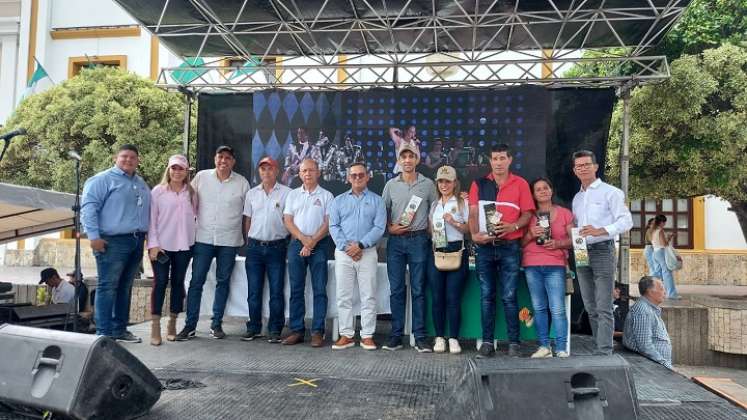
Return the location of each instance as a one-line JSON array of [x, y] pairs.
[[220, 195], [601, 215], [267, 246], [306, 217], [62, 291]]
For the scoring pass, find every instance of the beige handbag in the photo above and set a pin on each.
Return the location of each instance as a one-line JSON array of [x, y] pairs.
[[448, 261]]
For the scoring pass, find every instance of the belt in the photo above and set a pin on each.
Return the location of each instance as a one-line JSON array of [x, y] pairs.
[[276, 242], [410, 234], [603, 244], [501, 242], [125, 235]]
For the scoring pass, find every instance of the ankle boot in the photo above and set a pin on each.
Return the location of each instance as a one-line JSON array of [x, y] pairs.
[[155, 330], [171, 327]]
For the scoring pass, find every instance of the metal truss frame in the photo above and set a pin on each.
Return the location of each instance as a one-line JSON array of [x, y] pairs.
[[446, 74], [546, 38]]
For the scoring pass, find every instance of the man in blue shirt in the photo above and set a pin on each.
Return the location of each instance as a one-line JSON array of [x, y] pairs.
[[115, 213], [357, 219], [645, 331]]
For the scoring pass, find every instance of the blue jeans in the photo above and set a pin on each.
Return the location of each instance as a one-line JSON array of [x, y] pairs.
[[297, 265], [202, 257], [499, 263], [269, 259], [446, 291], [177, 265], [402, 251], [664, 273], [117, 266], [648, 252], [547, 289]]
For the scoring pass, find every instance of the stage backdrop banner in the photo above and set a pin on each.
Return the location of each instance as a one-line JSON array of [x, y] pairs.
[[456, 127]]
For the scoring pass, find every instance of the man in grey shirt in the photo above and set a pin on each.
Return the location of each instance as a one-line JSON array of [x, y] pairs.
[[408, 197]]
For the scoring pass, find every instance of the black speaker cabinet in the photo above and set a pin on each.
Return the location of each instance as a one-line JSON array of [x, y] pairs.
[[579, 388], [75, 375]]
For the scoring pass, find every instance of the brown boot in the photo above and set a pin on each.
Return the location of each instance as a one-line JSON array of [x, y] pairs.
[[155, 330], [171, 327]]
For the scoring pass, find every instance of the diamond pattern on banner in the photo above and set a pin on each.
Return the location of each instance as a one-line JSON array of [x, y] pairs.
[[307, 106], [258, 148], [274, 104], [272, 147], [290, 104]]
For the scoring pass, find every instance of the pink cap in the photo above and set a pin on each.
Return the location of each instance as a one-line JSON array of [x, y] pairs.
[[178, 160]]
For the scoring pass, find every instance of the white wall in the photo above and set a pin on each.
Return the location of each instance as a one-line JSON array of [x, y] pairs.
[[722, 230], [86, 13]]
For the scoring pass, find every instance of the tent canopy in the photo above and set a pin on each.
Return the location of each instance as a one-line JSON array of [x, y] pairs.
[[26, 212]]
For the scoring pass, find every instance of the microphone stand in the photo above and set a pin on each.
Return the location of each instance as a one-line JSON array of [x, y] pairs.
[[78, 275]]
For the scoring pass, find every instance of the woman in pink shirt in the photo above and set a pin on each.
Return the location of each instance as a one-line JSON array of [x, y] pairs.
[[171, 235], [544, 261]]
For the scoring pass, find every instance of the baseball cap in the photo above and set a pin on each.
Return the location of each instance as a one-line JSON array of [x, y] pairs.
[[446, 172], [408, 147], [47, 274], [224, 148], [268, 160], [178, 160]]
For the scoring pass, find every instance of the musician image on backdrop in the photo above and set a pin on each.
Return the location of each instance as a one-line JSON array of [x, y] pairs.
[[298, 151], [410, 137]]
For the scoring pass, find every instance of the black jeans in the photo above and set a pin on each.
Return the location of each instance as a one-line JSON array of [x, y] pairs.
[[177, 265]]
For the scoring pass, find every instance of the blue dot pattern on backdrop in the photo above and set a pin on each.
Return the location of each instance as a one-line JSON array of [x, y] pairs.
[[481, 119]]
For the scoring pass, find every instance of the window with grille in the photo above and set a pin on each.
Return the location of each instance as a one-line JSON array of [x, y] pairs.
[[679, 213]]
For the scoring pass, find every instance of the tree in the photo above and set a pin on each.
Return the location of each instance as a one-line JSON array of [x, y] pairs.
[[689, 134], [93, 113]]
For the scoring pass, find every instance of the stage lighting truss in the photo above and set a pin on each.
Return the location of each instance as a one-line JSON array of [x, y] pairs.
[[353, 44]]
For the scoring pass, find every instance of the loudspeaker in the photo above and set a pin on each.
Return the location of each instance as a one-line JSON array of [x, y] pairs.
[[75, 375], [579, 388]]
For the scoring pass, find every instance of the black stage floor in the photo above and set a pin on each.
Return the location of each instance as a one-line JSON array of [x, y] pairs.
[[258, 380]]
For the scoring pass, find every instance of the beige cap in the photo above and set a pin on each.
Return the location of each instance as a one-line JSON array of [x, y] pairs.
[[408, 147], [446, 172]]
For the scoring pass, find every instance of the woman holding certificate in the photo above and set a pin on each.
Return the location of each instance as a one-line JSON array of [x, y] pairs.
[[448, 270], [544, 261]]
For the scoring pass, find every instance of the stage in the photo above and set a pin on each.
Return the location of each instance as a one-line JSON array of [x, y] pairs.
[[258, 380]]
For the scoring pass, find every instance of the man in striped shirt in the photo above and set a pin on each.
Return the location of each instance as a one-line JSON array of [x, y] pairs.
[[644, 331]]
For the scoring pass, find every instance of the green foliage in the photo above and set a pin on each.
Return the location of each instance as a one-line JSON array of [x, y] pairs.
[[689, 134], [93, 113], [706, 24]]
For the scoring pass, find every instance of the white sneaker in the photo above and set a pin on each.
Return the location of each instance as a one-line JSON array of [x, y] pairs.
[[541, 353], [562, 354], [454, 347], [440, 345]]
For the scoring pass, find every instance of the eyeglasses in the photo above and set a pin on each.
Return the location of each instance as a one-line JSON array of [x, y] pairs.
[[359, 175], [177, 168], [586, 165]]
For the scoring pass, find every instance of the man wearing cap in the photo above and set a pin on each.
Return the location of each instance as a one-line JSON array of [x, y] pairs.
[[220, 201], [498, 247], [357, 219], [62, 291], [267, 246], [115, 213], [408, 198], [306, 217]]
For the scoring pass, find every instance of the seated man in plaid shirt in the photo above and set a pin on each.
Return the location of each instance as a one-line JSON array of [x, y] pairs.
[[644, 331]]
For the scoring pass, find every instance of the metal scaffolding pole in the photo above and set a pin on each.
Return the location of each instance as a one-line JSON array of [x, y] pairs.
[[187, 113], [624, 254]]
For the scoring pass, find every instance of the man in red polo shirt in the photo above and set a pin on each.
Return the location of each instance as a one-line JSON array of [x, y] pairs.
[[500, 206]]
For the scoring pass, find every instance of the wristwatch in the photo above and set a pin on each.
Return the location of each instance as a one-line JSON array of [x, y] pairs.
[[360, 245], [516, 227]]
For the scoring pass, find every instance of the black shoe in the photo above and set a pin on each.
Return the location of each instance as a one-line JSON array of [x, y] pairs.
[[394, 343], [217, 332], [250, 335], [129, 337], [422, 346], [186, 334], [486, 351], [274, 338]]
